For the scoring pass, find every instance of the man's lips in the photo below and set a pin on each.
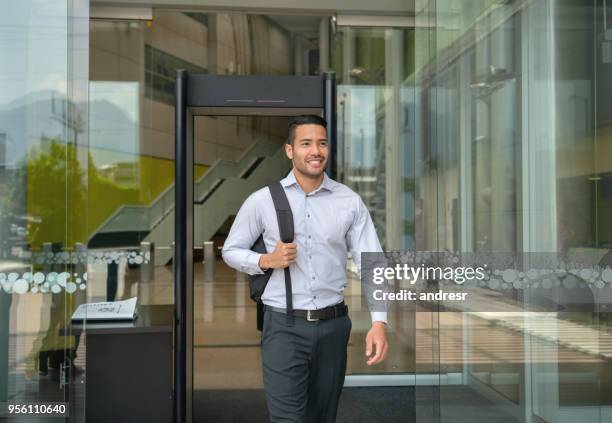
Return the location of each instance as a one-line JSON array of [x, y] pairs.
[[315, 162]]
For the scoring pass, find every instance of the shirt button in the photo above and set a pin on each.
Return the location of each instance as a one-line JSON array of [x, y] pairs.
[[315, 297], [309, 215], [313, 278], [309, 236], [310, 257]]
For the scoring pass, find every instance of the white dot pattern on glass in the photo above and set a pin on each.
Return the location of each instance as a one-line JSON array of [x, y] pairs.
[[36, 283], [40, 282]]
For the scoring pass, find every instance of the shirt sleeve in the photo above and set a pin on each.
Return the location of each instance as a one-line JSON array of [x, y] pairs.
[[362, 237], [245, 230]]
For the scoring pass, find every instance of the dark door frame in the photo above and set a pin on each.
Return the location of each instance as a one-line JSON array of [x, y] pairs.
[[202, 95]]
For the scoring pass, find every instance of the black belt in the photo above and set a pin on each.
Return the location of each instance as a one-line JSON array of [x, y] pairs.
[[326, 313]]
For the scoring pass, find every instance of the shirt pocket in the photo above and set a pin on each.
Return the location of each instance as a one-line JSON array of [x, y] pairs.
[[343, 220]]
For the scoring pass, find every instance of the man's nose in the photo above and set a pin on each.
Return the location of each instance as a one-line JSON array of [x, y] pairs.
[[315, 150]]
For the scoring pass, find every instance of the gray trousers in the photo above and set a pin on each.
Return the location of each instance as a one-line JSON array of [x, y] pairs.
[[303, 367]]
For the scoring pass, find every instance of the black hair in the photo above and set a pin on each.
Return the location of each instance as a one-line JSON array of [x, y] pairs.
[[304, 120]]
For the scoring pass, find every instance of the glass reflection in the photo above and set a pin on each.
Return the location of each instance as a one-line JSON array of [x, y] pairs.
[[512, 140], [43, 192]]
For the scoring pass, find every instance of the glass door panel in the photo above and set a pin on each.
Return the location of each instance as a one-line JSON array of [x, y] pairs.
[[518, 169], [377, 159], [43, 200]]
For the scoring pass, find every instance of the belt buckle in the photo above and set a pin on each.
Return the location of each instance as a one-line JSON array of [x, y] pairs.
[[310, 319]]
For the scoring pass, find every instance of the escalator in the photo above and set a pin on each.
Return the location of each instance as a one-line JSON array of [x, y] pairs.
[[217, 195]]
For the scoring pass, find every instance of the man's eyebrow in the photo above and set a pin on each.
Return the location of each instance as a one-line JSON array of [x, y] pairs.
[[310, 139]]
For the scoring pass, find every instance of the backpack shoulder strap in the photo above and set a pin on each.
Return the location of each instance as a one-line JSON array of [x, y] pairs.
[[283, 211], [285, 227]]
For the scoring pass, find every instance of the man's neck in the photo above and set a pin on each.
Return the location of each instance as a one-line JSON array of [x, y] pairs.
[[307, 183]]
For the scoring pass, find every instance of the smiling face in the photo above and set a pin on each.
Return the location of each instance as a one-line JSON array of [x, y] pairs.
[[309, 150]]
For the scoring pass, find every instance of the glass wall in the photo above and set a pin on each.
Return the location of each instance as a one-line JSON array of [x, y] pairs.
[[376, 159], [43, 200], [513, 157]]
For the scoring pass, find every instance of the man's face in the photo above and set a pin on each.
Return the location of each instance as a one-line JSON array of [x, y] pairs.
[[309, 150]]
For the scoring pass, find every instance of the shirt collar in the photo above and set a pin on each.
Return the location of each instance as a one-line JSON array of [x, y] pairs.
[[328, 183]]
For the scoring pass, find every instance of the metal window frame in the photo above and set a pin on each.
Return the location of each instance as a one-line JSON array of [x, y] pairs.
[[374, 21], [122, 13]]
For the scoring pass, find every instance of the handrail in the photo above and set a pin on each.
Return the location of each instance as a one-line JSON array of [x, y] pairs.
[[146, 218], [221, 202]]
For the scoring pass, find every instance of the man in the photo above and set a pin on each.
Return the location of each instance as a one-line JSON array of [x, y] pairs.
[[304, 364]]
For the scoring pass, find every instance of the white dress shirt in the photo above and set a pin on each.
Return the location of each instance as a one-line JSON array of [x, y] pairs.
[[328, 222]]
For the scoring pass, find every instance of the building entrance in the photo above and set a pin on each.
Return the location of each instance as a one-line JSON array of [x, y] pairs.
[[373, 158]]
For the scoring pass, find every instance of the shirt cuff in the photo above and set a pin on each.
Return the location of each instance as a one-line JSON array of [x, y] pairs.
[[379, 316], [252, 264]]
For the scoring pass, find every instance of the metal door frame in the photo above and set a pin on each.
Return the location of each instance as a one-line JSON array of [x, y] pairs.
[[208, 95]]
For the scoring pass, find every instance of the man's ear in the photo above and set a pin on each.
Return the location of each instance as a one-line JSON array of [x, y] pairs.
[[289, 151]]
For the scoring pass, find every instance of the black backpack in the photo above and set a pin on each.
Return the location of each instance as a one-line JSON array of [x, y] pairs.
[[258, 283]]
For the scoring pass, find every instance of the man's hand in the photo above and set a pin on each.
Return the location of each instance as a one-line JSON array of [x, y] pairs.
[[282, 256], [376, 343]]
